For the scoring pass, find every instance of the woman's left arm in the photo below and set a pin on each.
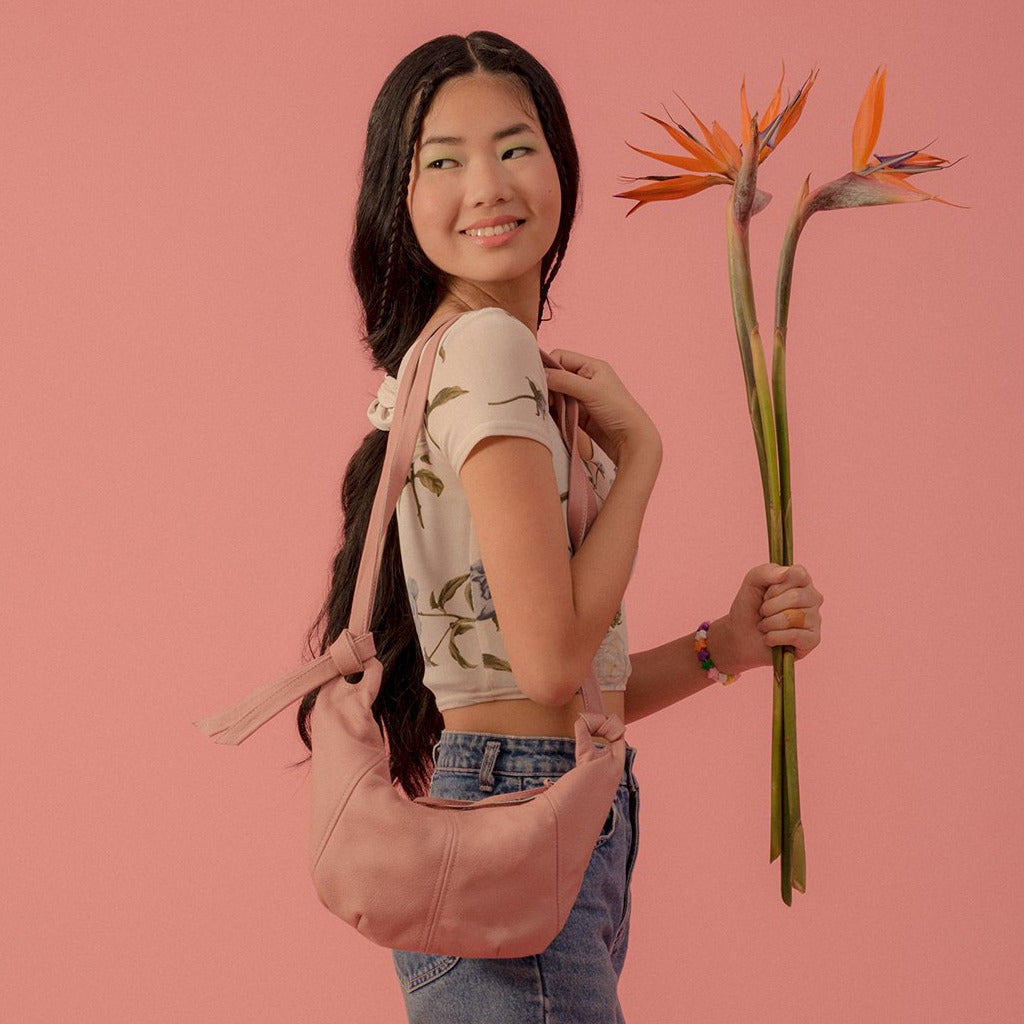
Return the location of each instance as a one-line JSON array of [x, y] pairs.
[[775, 605]]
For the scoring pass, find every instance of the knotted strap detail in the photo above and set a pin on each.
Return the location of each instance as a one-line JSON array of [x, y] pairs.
[[600, 725], [351, 653], [346, 656], [590, 726]]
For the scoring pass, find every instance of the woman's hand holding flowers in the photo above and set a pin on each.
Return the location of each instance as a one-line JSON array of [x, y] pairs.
[[776, 605]]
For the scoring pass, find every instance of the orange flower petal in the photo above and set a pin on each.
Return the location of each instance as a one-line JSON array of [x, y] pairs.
[[725, 146], [926, 161], [895, 178], [708, 135], [680, 187], [687, 163], [790, 115], [773, 107], [691, 145], [869, 121], [744, 114], [895, 181]]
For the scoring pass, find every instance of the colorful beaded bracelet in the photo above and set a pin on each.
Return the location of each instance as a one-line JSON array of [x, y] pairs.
[[701, 647]]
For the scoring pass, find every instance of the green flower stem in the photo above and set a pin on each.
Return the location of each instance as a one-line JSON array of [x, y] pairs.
[[779, 834], [783, 660], [785, 680], [760, 406], [759, 401], [747, 362]]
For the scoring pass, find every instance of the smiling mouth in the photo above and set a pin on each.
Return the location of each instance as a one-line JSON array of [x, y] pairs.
[[502, 229]]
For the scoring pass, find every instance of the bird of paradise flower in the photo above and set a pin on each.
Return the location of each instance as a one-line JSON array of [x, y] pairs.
[[718, 161], [870, 182]]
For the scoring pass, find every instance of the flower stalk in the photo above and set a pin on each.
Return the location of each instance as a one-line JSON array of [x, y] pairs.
[[771, 437], [874, 180]]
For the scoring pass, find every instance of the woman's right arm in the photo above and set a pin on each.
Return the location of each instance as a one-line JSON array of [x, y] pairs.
[[555, 611]]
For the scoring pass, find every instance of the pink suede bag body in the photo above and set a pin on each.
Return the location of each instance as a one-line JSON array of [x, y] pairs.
[[495, 877]]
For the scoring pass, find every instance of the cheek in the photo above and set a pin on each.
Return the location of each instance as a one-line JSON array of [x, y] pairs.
[[423, 216], [430, 206], [556, 200], [552, 189], [553, 203]]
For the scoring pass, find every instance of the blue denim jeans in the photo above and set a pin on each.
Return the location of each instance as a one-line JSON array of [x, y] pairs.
[[574, 980]]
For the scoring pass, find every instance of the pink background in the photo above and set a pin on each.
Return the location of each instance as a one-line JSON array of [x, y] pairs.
[[183, 387]]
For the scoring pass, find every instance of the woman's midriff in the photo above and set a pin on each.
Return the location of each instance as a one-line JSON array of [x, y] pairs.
[[526, 717]]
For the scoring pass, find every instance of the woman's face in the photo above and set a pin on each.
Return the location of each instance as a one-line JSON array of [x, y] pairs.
[[482, 157]]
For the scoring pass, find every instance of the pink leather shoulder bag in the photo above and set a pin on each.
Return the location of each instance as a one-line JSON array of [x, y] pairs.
[[495, 877]]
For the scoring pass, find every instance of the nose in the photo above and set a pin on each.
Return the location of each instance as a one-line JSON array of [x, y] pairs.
[[489, 183]]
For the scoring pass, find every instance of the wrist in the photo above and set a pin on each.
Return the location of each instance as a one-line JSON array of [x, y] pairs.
[[646, 450], [720, 647]]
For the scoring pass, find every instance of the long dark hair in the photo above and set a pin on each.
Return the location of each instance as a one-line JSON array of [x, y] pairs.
[[400, 289]]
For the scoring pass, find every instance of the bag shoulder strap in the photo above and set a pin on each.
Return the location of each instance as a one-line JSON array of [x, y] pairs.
[[349, 653]]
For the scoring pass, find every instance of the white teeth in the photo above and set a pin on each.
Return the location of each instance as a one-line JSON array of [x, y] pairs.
[[502, 229]]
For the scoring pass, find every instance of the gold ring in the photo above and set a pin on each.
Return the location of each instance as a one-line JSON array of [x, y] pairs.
[[795, 618]]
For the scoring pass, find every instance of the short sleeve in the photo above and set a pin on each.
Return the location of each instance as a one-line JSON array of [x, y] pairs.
[[487, 379]]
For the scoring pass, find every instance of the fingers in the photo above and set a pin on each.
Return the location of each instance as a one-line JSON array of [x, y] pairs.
[[795, 618], [779, 632], [569, 381], [567, 356], [576, 362], [795, 610], [792, 620], [796, 578], [793, 575], [803, 641], [790, 612], [793, 597]]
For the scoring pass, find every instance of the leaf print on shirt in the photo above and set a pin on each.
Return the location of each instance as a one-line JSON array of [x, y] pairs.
[[478, 585], [475, 591], [428, 478], [447, 394], [536, 396], [478, 581], [453, 391]]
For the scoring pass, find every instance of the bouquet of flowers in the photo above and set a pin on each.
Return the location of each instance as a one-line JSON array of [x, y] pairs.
[[873, 180]]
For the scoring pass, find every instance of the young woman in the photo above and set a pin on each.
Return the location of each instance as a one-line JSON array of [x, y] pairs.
[[468, 195]]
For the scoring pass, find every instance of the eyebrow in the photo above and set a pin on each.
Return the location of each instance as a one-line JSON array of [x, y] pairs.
[[453, 140]]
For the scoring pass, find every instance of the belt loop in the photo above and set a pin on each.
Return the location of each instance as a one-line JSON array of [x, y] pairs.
[[630, 777], [487, 765]]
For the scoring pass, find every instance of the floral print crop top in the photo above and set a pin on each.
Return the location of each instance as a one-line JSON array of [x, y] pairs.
[[487, 379]]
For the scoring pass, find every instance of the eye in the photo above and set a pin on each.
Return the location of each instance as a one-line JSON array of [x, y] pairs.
[[445, 159]]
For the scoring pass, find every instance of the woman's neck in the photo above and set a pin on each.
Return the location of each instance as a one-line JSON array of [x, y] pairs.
[[521, 302]]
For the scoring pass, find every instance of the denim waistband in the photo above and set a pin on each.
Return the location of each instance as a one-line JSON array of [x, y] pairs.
[[515, 755]]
